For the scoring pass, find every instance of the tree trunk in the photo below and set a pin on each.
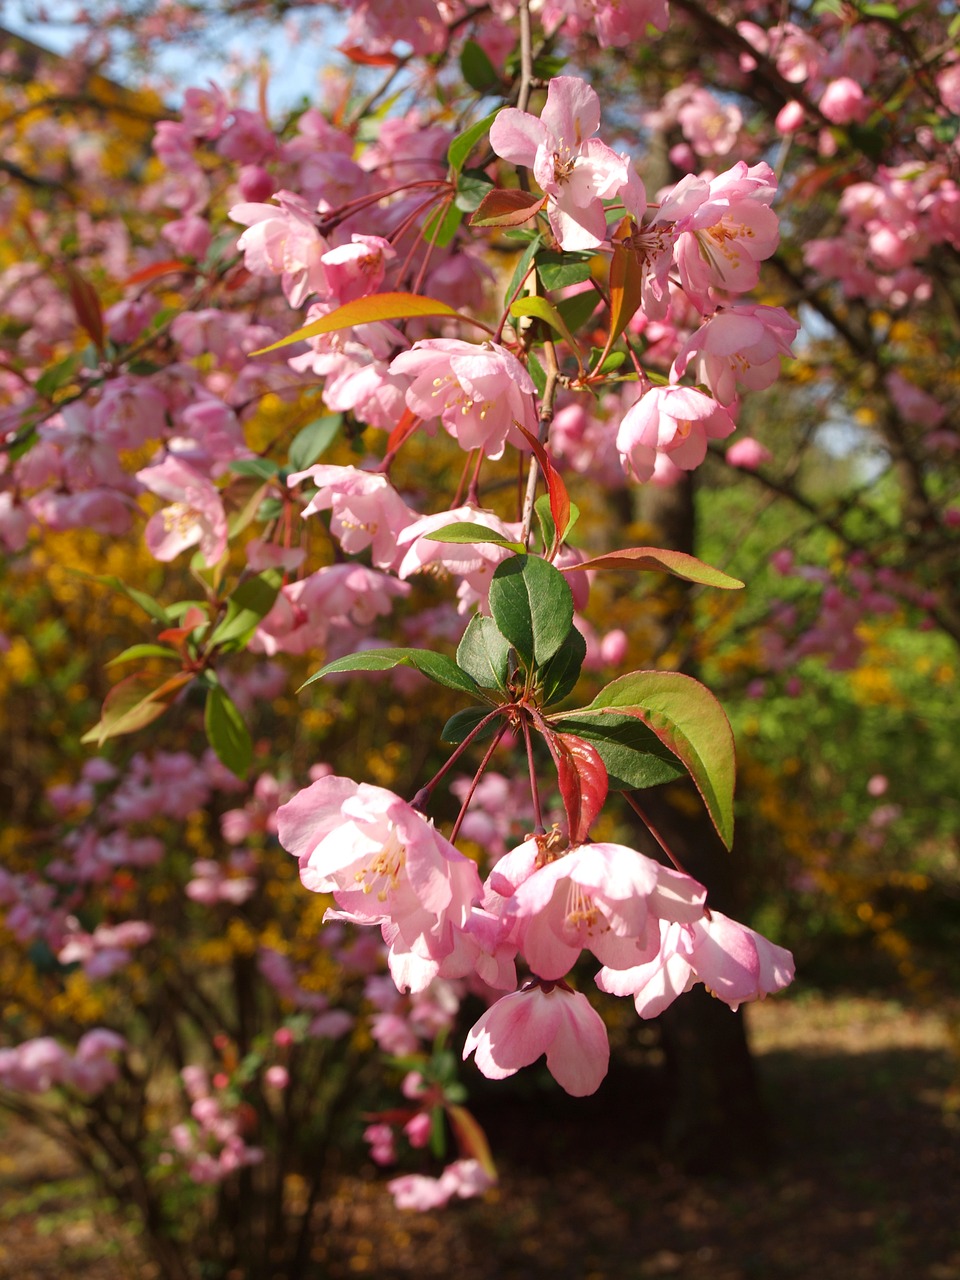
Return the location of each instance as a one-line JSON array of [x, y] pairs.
[[716, 1120]]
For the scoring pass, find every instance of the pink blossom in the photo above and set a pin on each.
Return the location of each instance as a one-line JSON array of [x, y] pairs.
[[542, 1017], [843, 102], [282, 240], [732, 230], [739, 344], [382, 861], [733, 962], [710, 126], [477, 391], [748, 454], [473, 563], [596, 896], [353, 270], [366, 509], [790, 117], [676, 421], [575, 170], [195, 516]]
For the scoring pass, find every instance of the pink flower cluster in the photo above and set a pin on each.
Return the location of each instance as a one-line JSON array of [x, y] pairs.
[[35, 1066], [647, 925], [213, 1142]]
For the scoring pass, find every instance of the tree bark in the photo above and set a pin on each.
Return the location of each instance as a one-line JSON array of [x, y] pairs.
[[716, 1120]]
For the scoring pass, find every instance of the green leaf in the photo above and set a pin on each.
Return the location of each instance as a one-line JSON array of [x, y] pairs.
[[609, 365], [134, 703], [58, 376], [559, 676], [468, 532], [522, 269], [532, 605], [472, 186], [889, 11], [226, 731], [484, 653], [634, 756], [313, 440], [262, 468], [559, 270], [441, 226], [542, 309], [548, 530], [537, 373], [248, 606], [143, 651], [687, 719], [661, 561], [367, 310], [146, 602], [435, 666], [576, 311], [459, 150], [462, 723], [478, 71]]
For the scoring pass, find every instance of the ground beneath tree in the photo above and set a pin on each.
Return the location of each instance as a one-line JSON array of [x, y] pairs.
[[865, 1100]]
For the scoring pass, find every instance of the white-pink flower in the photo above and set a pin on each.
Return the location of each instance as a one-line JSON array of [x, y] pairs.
[[734, 962], [740, 344], [383, 863], [478, 392], [596, 897], [576, 171], [673, 421], [366, 509], [542, 1017], [195, 515]]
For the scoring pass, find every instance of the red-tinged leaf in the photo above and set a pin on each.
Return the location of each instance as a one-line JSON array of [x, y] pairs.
[[471, 1139], [654, 558], [625, 277], [157, 269], [86, 304], [368, 310], [507, 208], [691, 723], [582, 779], [402, 432], [133, 703], [356, 53], [556, 489], [583, 783]]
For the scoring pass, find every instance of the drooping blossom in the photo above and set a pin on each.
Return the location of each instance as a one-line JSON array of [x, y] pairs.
[[576, 171], [542, 1017], [731, 960], [672, 421], [741, 344]]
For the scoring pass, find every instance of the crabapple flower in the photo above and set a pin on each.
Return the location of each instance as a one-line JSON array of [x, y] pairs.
[[384, 864], [576, 171], [282, 240], [748, 454], [196, 514], [740, 344], [463, 1178], [477, 391], [732, 961], [366, 509], [676, 421], [598, 897], [542, 1017], [732, 230]]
